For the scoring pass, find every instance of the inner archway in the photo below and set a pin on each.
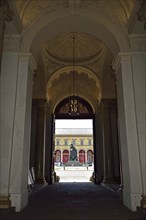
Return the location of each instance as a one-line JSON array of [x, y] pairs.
[[74, 138]]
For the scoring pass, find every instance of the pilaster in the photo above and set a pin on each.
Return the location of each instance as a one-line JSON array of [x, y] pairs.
[[128, 129], [49, 145], [16, 90], [110, 142], [40, 140], [138, 62], [98, 147]]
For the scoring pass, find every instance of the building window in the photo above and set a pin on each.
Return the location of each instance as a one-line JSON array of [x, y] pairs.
[[57, 142], [82, 142], [90, 142], [65, 142]]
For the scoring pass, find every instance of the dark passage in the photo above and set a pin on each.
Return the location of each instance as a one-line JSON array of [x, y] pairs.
[[74, 201]]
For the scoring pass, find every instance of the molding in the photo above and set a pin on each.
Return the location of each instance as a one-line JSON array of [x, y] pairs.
[[11, 43]]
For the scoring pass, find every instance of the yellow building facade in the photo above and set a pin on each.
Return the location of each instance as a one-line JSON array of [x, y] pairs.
[[82, 143]]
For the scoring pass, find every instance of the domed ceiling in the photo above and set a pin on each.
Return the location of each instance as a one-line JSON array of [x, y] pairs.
[[86, 48]]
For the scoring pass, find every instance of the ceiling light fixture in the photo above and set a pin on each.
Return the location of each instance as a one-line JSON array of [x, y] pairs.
[[73, 99]]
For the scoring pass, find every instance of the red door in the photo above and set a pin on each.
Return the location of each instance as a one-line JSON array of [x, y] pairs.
[[65, 156], [82, 156]]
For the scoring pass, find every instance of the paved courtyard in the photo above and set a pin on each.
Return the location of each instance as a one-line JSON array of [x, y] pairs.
[[74, 174]]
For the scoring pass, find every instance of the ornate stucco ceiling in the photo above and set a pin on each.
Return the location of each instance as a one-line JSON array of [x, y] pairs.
[[90, 56], [86, 48], [116, 10], [90, 53]]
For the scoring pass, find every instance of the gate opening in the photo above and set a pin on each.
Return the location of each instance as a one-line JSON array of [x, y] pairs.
[[74, 151]]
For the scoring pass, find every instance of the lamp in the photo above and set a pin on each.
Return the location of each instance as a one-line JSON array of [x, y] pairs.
[[73, 100]]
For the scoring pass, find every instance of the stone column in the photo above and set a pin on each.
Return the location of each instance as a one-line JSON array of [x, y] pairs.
[[19, 162], [130, 75], [61, 156], [49, 141], [5, 16], [33, 134], [114, 141], [138, 62], [86, 156], [16, 91], [107, 141], [98, 147], [40, 142]]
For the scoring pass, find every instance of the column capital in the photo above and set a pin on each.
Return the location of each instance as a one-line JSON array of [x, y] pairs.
[[6, 14]]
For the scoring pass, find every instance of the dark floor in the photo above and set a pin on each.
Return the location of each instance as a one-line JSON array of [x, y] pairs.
[[74, 201]]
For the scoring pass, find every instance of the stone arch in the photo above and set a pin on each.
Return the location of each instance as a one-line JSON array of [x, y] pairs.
[[64, 94]]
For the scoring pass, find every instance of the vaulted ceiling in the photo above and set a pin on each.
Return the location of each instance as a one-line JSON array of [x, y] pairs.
[[92, 59], [116, 10]]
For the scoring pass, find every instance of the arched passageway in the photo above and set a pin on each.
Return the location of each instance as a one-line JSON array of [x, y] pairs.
[[37, 63]]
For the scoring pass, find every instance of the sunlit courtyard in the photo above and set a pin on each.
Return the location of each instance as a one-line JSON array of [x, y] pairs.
[[74, 174]]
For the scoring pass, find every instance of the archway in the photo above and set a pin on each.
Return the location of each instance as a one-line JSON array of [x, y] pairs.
[[65, 156], [90, 156], [82, 156], [114, 34], [57, 158], [74, 139]]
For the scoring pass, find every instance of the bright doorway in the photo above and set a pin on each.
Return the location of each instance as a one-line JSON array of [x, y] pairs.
[[74, 152]]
